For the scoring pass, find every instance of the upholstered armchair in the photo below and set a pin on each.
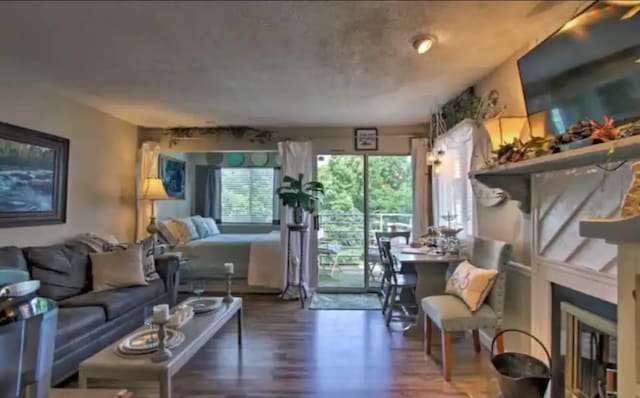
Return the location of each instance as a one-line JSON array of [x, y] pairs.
[[450, 314]]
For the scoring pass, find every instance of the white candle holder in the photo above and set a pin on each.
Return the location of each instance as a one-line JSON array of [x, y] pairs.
[[163, 353], [228, 298]]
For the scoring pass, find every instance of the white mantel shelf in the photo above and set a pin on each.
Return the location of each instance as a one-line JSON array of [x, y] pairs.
[[515, 178], [613, 230]]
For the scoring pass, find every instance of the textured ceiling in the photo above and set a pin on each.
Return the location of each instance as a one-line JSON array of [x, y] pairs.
[[267, 63]]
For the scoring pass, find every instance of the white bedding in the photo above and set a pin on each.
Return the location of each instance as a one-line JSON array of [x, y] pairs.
[[255, 256], [265, 262]]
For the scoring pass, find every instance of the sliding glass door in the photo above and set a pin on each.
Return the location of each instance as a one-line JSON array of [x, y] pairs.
[[363, 194]]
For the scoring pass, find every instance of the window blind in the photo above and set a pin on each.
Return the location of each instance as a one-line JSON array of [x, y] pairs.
[[247, 195]]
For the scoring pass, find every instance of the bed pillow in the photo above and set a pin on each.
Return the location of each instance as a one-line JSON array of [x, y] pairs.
[[201, 226], [189, 228], [472, 284], [173, 232], [211, 226]]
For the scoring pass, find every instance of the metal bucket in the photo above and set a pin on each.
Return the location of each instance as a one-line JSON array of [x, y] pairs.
[[521, 375]]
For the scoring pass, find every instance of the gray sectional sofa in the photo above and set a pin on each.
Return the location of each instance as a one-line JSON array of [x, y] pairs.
[[87, 321]]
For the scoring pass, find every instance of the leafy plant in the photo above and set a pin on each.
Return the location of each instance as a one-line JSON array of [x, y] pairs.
[[464, 106], [519, 150], [297, 194], [604, 132]]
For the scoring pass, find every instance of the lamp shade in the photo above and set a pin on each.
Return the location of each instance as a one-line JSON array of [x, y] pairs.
[[504, 129], [153, 189]]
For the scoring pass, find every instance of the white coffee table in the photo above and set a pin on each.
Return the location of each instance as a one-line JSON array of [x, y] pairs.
[[107, 365]]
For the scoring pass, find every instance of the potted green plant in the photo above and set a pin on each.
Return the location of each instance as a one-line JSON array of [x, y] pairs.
[[301, 197]]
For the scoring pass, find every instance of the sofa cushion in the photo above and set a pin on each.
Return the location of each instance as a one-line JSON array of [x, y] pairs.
[[117, 301], [74, 322], [450, 313], [63, 270], [12, 257]]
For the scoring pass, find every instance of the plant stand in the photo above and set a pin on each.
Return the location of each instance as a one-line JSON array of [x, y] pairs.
[[301, 230]]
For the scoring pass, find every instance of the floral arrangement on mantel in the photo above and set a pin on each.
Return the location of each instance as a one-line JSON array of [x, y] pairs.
[[252, 134], [582, 133]]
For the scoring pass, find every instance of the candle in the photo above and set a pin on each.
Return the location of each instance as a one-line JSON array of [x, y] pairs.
[[228, 268], [160, 313]]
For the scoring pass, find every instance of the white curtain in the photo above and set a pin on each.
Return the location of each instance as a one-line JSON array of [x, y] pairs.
[[452, 189], [295, 158], [147, 168], [421, 192]]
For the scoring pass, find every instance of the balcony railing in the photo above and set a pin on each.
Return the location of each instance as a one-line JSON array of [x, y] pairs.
[[346, 232]]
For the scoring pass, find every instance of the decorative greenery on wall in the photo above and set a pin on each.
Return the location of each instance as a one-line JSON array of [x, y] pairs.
[[251, 134], [464, 106]]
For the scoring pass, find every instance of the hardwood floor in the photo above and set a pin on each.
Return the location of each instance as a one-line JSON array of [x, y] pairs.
[[289, 352]]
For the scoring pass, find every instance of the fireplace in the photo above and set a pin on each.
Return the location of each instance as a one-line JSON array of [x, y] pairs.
[[583, 346]]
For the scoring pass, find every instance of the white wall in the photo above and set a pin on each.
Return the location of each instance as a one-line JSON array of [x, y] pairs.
[[506, 222], [102, 159]]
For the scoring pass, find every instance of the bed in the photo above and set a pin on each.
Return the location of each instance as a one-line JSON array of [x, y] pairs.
[[256, 258]]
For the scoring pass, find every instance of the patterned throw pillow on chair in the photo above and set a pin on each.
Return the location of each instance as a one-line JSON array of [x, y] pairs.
[[471, 284]]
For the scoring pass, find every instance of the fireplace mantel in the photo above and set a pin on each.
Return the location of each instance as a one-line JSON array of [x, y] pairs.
[[624, 232], [515, 178]]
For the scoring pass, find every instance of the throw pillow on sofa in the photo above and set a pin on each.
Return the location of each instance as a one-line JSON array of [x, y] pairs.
[[148, 261], [116, 269], [63, 270], [472, 284]]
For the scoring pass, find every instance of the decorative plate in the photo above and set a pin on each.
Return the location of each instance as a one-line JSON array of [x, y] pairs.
[[146, 340], [235, 159], [259, 159], [215, 158], [201, 305], [121, 350]]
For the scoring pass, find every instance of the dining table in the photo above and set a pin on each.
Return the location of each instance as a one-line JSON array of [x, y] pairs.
[[432, 269]]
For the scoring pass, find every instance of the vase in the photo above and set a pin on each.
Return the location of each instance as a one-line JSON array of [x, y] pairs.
[[631, 203], [299, 216]]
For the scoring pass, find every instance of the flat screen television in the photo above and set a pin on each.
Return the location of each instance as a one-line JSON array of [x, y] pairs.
[[586, 70]]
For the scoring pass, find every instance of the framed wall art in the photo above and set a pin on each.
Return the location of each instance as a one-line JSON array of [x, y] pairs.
[[173, 174], [33, 177], [366, 139]]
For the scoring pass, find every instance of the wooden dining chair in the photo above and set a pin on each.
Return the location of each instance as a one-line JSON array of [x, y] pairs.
[[396, 285], [450, 314], [389, 236]]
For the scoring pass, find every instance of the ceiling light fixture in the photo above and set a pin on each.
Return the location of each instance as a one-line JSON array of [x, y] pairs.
[[423, 43]]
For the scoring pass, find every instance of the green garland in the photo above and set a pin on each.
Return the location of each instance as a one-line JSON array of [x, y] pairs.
[[252, 134]]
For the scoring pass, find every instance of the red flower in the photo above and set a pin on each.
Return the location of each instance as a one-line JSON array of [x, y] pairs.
[[604, 132]]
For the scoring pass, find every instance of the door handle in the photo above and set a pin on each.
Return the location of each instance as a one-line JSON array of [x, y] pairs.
[[316, 222]]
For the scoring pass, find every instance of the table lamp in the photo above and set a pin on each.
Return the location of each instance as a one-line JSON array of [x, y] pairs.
[[153, 189]]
